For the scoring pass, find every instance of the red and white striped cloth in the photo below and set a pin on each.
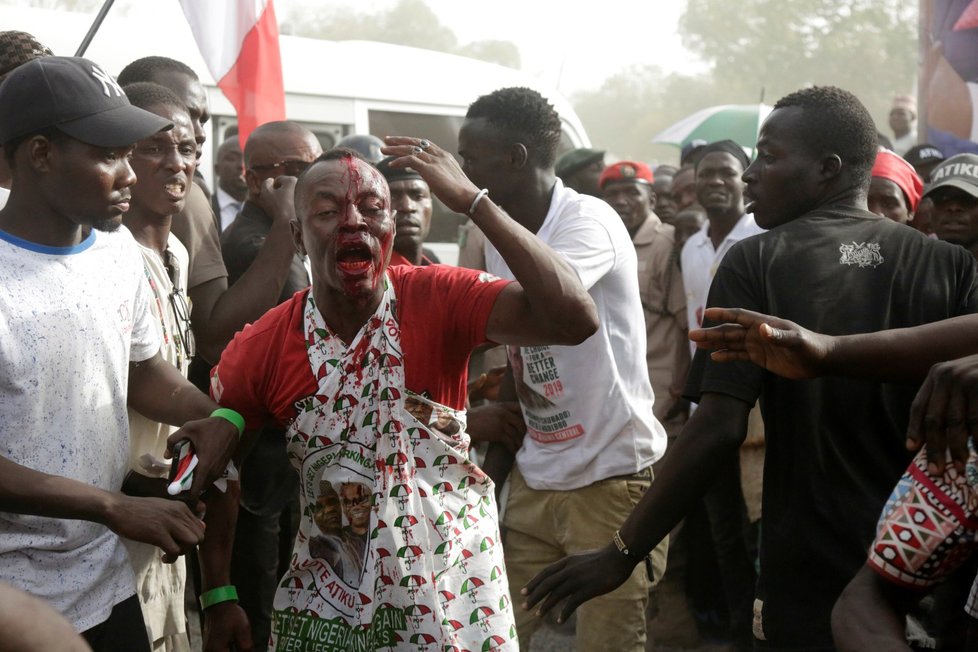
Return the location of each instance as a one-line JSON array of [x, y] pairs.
[[239, 42]]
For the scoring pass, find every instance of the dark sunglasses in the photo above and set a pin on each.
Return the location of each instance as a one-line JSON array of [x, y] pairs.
[[292, 168]]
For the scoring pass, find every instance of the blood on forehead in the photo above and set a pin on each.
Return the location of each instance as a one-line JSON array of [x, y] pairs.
[[343, 178], [358, 182]]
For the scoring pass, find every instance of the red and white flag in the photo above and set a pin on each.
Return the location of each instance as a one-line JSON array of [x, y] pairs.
[[239, 41]]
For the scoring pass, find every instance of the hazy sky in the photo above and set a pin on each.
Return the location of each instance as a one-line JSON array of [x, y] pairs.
[[578, 44], [575, 44]]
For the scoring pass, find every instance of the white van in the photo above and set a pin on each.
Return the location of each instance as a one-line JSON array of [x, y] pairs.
[[335, 88]]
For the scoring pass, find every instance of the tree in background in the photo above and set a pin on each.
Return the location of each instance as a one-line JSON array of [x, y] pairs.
[[866, 46], [409, 22]]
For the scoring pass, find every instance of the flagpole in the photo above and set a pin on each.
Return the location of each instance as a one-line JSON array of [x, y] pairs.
[[94, 28]]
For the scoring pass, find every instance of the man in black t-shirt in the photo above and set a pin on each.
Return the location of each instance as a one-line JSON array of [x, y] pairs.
[[835, 447]]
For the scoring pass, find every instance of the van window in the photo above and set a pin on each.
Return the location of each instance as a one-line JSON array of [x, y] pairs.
[[440, 129]]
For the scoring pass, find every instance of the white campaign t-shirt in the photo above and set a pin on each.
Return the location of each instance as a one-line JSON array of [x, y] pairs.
[[71, 319], [588, 408]]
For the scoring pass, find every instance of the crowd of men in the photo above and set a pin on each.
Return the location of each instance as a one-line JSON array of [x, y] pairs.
[[369, 476]]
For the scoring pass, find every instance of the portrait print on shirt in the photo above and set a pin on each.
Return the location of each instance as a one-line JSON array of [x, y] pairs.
[[342, 518]]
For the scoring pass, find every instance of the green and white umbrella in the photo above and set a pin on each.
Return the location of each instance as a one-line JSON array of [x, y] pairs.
[[738, 122]]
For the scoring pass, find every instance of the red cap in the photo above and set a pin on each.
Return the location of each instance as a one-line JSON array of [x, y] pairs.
[[890, 166], [626, 171]]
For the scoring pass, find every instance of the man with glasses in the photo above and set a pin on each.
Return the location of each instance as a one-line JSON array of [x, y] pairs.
[[268, 517]]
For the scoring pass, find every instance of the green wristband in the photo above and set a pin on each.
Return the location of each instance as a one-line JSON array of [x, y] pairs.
[[217, 596], [232, 416]]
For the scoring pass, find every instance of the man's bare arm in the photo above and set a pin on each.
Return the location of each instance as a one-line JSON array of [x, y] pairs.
[[945, 411], [870, 615], [220, 311], [225, 624], [789, 350], [167, 524], [718, 426], [548, 304]]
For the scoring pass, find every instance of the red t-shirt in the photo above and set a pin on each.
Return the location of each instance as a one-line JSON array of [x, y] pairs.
[[442, 311]]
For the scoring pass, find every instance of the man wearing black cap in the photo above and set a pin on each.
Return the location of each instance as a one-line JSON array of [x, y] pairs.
[[78, 342], [580, 168], [924, 158], [411, 203], [954, 191], [720, 191]]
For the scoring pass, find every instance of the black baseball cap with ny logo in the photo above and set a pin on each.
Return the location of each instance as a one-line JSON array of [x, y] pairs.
[[76, 96]]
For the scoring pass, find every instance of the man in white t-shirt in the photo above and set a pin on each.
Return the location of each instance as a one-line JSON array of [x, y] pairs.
[[591, 436], [77, 343], [719, 185]]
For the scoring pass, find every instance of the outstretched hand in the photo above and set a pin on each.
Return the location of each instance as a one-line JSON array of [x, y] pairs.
[[945, 413], [780, 346], [577, 578], [437, 167]]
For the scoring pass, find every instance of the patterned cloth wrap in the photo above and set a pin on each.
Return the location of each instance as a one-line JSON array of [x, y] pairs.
[[929, 525], [432, 575]]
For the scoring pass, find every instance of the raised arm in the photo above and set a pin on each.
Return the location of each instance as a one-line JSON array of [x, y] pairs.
[[718, 426], [220, 311], [548, 304]]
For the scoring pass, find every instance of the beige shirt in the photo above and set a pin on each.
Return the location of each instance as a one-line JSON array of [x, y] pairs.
[[664, 305], [160, 586], [197, 230]]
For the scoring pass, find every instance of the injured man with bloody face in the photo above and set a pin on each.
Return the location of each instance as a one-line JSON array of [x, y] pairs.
[[399, 540]]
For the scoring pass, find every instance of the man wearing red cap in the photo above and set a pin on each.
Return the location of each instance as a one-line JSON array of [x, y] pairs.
[[894, 190], [627, 186]]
